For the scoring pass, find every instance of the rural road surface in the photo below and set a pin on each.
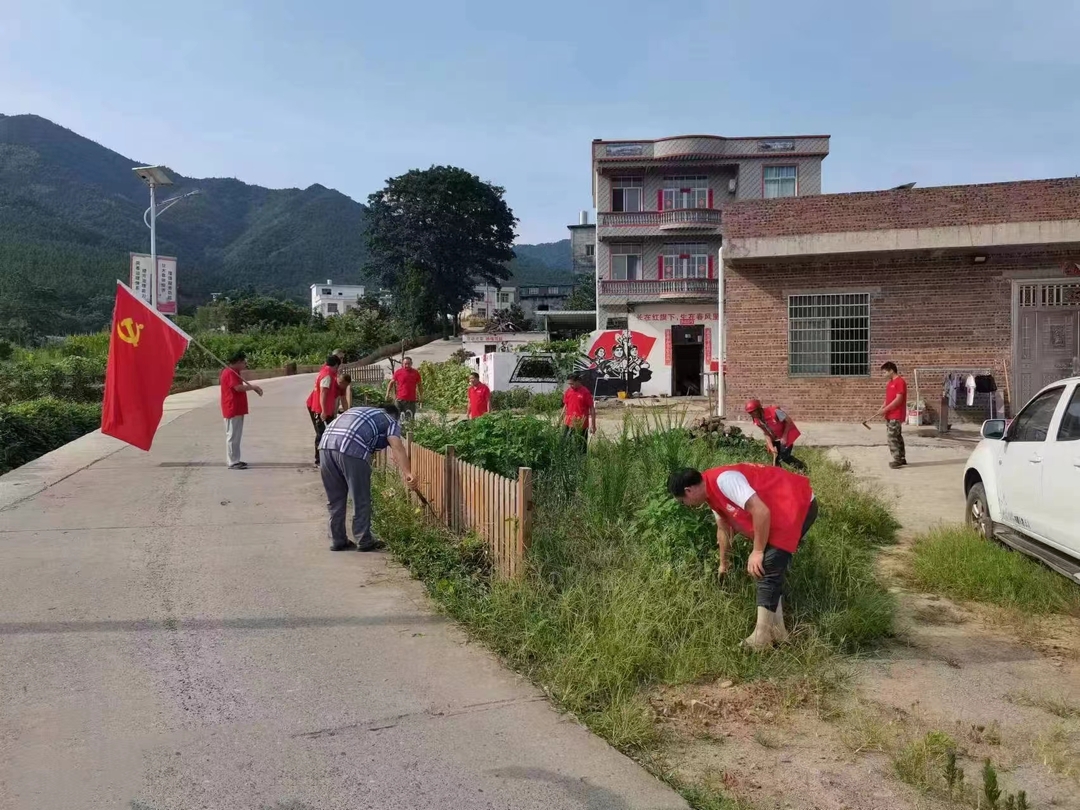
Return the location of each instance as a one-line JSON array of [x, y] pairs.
[[174, 635]]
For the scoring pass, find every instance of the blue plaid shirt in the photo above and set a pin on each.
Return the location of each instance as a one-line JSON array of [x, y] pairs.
[[360, 432]]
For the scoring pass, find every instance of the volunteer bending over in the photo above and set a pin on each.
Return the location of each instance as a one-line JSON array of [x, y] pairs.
[[770, 506]]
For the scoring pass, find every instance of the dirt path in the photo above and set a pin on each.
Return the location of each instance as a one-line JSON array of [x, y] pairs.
[[997, 690]]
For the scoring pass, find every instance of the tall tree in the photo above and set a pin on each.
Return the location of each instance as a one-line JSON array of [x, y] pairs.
[[441, 231]]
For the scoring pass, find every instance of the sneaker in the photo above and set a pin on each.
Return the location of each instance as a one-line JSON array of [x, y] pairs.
[[896, 465], [240, 465]]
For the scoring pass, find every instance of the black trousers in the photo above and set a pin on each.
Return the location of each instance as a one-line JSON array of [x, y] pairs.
[[320, 428], [784, 455], [771, 586]]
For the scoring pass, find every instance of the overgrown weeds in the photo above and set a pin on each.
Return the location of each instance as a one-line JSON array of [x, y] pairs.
[[621, 592], [957, 563]]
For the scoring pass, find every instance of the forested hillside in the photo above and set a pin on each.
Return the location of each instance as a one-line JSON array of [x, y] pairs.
[[71, 211]]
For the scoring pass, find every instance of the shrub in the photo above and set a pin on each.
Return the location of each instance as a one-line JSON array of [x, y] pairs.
[[31, 429], [511, 398], [72, 378], [499, 442], [446, 386]]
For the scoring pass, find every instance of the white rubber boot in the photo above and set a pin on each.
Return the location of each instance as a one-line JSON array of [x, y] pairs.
[[780, 633], [763, 636]]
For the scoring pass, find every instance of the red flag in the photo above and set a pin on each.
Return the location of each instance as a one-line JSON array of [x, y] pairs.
[[144, 348]]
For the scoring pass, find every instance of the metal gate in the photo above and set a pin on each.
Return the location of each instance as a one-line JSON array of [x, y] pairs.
[[1047, 335]]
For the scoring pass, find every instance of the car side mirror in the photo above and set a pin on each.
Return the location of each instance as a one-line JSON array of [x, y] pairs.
[[993, 429]]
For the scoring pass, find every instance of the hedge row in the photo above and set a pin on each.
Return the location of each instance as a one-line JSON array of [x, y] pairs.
[[32, 429]]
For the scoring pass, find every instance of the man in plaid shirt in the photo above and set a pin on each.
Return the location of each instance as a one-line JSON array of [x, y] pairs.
[[345, 451]]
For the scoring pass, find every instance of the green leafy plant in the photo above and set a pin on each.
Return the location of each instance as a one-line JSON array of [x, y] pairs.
[[446, 386], [31, 429], [954, 775], [991, 791]]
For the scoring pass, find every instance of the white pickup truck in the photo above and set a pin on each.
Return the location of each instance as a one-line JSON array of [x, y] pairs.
[[1023, 480]]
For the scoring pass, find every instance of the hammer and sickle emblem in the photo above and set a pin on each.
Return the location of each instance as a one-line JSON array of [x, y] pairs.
[[129, 331]]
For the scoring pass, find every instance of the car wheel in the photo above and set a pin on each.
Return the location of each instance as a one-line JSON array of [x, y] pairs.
[[978, 514]]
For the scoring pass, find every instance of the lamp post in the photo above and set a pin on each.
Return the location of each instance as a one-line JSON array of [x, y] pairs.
[[153, 176]]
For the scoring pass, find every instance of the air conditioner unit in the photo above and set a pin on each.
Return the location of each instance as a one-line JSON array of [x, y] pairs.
[[732, 184]]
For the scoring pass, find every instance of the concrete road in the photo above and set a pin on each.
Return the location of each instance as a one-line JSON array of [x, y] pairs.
[[177, 635], [437, 351]]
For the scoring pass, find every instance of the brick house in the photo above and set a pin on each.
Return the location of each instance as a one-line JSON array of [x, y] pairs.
[[820, 291], [657, 236]]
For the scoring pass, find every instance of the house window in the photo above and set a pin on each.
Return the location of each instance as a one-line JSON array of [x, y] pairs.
[[534, 290], [331, 309], [781, 181], [616, 323], [326, 291], [686, 261], [829, 335], [480, 312], [590, 250], [553, 290], [626, 194], [504, 298], [686, 192], [625, 262]]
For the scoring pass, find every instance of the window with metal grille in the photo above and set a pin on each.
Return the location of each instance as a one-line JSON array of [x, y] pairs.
[[626, 194], [686, 192], [686, 261], [781, 181], [1054, 294], [331, 308], [829, 335]]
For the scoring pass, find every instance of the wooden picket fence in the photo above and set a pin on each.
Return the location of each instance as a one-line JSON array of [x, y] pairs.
[[467, 498], [367, 375]]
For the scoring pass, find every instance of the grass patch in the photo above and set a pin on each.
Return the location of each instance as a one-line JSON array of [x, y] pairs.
[[620, 592], [957, 563], [921, 763]]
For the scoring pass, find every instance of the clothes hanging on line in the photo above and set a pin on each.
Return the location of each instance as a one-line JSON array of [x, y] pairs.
[[985, 384], [969, 384]]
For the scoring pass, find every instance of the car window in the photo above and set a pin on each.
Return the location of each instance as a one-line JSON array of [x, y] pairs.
[[1070, 421], [1033, 423]]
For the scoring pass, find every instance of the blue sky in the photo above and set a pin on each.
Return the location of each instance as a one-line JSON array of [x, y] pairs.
[[347, 94]]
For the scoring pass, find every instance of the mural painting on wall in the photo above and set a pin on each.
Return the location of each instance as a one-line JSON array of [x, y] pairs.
[[617, 361]]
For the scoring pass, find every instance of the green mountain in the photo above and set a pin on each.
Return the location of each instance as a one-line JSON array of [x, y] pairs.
[[71, 210]]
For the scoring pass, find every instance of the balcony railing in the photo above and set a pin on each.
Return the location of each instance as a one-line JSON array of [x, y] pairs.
[[676, 218], [659, 288]]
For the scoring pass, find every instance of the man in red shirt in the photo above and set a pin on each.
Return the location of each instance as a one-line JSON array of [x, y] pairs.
[[322, 401], [780, 432], [579, 411], [479, 397], [895, 412], [772, 507], [408, 388], [234, 407]]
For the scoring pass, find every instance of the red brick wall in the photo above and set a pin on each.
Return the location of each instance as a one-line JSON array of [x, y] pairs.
[[926, 311], [1026, 201]]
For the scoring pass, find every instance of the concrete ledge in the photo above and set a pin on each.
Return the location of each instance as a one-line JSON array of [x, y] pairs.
[[1010, 234]]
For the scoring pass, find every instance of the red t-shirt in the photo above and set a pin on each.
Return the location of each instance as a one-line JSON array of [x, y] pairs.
[[479, 400], [896, 386], [578, 402], [406, 380], [233, 403]]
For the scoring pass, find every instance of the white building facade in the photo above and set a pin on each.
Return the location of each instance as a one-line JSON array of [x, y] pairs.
[[489, 300], [335, 299]]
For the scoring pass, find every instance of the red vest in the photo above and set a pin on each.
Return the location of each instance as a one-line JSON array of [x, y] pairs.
[[787, 495], [314, 400], [775, 427]]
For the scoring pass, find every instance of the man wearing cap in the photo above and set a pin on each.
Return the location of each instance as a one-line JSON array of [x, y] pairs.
[[780, 432], [772, 507]]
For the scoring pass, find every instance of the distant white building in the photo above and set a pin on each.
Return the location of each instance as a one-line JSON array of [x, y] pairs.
[[489, 299], [334, 299]]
